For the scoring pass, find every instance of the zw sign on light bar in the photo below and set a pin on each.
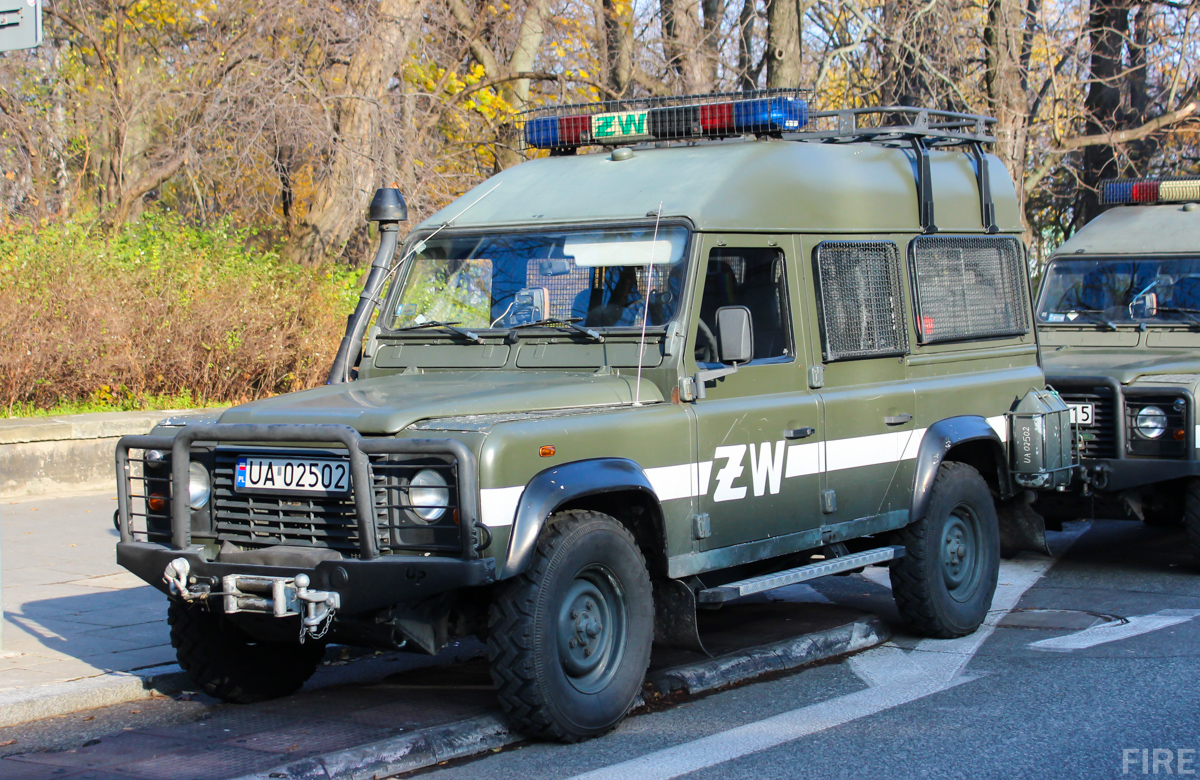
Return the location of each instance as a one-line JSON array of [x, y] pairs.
[[1149, 191], [700, 120], [20, 24]]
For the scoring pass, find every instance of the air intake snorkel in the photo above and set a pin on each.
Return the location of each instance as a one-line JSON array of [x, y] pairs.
[[389, 210]]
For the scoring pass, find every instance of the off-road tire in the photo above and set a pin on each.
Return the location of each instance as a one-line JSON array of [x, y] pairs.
[[961, 506], [1191, 517], [538, 678], [228, 664]]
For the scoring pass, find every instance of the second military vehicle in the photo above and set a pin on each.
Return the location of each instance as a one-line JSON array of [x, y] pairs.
[[1119, 317], [738, 346]]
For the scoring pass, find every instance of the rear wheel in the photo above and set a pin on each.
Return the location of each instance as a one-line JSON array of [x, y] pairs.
[[229, 664], [945, 582], [569, 639]]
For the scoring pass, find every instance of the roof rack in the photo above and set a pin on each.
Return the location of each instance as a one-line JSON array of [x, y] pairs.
[[899, 124], [781, 113]]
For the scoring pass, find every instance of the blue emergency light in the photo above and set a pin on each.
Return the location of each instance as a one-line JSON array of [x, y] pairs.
[[693, 117]]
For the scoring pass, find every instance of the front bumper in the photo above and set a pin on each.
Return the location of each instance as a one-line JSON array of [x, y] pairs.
[[1113, 475], [362, 585]]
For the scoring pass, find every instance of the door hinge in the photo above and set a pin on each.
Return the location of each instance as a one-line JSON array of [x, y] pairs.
[[816, 377], [701, 526], [828, 501]]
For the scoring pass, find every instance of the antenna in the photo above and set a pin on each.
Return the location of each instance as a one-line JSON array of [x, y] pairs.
[[637, 393]]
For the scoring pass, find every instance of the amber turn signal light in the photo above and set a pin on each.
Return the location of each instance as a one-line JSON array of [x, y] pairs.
[[547, 450], [156, 502], [1180, 434]]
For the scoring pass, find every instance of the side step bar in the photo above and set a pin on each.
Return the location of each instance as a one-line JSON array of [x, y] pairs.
[[779, 579]]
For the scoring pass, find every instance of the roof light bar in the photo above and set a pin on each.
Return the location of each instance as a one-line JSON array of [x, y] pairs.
[[690, 117], [1174, 190]]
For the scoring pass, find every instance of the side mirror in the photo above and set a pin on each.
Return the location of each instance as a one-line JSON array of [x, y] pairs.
[[735, 334]]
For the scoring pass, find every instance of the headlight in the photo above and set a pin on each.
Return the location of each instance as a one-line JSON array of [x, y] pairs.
[[428, 495], [199, 486], [1150, 423]]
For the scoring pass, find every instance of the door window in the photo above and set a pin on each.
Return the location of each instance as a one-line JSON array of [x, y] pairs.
[[754, 278]]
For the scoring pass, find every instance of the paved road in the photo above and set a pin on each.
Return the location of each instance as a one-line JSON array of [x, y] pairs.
[[984, 706], [1035, 694]]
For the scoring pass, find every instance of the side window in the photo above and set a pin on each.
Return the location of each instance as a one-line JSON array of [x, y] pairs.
[[862, 309], [753, 278], [968, 287]]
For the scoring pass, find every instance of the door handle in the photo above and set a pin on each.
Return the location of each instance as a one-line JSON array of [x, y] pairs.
[[898, 419], [799, 433]]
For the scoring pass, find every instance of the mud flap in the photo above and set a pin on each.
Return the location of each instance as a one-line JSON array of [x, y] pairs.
[[1021, 528], [675, 616]]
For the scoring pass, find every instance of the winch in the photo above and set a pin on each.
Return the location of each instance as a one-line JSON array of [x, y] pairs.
[[278, 596]]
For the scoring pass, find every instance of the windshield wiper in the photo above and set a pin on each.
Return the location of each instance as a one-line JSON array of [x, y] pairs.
[[1189, 313], [466, 334], [1096, 316], [569, 322]]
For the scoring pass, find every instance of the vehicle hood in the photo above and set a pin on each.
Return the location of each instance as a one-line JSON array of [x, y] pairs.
[[389, 404], [1123, 364]]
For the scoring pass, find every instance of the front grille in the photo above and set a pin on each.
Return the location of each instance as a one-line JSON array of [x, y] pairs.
[[1167, 445], [253, 521], [1099, 440]]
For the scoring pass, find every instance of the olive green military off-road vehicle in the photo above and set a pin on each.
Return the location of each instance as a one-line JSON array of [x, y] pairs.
[[1119, 317], [730, 350]]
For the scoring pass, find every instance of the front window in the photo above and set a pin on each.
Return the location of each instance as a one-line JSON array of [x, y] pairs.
[[1120, 290], [605, 278]]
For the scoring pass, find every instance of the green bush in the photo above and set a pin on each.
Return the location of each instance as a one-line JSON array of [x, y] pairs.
[[161, 313]]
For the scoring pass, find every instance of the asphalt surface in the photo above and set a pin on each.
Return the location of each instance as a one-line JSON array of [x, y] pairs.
[[989, 705], [1007, 710]]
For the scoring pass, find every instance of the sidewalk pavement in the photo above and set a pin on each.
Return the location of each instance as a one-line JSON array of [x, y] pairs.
[[70, 613]]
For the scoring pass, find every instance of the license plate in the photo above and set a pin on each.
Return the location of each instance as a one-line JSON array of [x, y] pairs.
[[309, 476], [1082, 414]]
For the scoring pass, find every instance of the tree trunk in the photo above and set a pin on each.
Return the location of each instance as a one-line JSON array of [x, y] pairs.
[[783, 43], [747, 73], [351, 175], [1108, 24], [1006, 84], [618, 44], [681, 43]]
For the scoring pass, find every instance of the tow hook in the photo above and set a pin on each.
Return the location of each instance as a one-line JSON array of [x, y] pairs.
[[277, 596]]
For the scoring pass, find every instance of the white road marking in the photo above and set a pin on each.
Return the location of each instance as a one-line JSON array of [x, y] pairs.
[[895, 677], [1113, 632]]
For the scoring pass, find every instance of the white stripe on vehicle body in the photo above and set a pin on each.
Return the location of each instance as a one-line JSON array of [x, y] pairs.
[[745, 470]]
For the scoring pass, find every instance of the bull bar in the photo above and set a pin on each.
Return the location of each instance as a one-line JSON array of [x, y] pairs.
[[358, 447]]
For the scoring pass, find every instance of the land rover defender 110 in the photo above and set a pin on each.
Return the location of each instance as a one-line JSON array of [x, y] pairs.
[[1118, 314], [737, 346]]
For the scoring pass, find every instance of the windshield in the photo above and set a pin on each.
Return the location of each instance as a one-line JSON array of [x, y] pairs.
[[1155, 290], [607, 278]]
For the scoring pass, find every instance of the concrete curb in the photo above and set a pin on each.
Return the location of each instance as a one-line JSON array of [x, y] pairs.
[[70, 452], [779, 656], [426, 747], [22, 705]]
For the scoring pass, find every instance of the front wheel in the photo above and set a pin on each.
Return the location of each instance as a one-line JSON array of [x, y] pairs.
[[229, 664], [569, 639], [945, 582]]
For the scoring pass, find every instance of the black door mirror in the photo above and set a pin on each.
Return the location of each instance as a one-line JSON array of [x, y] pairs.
[[735, 334]]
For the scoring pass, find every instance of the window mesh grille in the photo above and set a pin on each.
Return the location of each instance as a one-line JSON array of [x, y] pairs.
[[968, 288], [861, 305]]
